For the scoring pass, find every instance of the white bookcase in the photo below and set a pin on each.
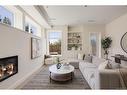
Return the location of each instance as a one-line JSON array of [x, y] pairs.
[[74, 41]]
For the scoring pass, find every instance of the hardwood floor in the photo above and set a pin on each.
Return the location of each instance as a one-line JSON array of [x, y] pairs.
[[40, 80]]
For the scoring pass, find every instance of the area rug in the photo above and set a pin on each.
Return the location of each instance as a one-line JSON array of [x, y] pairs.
[[40, 80]]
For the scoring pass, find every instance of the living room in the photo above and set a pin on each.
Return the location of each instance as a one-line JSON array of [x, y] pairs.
[[27, 37]]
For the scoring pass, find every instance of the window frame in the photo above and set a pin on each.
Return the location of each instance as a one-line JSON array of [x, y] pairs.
[[13, 16], [54, 38]]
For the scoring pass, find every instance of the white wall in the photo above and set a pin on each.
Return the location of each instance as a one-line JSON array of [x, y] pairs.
[[116, 30], [85, 30], [17, 42]]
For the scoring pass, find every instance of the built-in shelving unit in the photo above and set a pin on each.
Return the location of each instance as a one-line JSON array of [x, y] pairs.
[[74, 41]]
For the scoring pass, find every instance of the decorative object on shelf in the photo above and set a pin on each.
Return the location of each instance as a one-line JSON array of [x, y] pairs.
[[35, 48], [72, 48], [27, 28], [0, 19], [31, 30], [74, 41], [106, 44], [123, 42], [6, 21]]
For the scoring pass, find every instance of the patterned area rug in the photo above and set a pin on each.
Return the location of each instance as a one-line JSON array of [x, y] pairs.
[[40, 80]]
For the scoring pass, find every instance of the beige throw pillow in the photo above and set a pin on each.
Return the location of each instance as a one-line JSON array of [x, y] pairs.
[[88, 58], [112, 65]]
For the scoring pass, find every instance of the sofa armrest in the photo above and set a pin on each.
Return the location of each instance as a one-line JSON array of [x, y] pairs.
[[109, 79]]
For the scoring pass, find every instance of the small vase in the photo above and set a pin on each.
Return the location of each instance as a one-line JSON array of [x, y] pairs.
[[58, 65], [73, 48], [106, 54]]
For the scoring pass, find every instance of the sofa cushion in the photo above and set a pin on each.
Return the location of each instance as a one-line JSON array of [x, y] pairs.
[[123, 64], [97, 60], [87, 64]]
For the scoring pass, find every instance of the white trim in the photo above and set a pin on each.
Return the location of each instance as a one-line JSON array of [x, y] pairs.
[[47, 39]]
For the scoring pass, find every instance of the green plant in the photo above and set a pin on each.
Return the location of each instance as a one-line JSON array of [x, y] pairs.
[[106, 44], [58, 60]]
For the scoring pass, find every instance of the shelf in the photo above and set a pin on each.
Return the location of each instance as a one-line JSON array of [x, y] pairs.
[[74, 41], [73, 38]]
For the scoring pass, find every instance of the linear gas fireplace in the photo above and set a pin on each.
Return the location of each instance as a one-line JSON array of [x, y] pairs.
[[8, 67]]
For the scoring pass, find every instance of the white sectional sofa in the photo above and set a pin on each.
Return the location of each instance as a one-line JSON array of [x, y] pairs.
[[99, 77], [90, 71]]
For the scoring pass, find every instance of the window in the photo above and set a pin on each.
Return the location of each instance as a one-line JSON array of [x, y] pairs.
[[95, 44], [55, 43], [6, 16], [32, 27], [93, 40]]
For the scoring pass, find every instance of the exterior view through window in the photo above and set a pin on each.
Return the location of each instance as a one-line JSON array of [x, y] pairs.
[[55, 43], [6, 16]]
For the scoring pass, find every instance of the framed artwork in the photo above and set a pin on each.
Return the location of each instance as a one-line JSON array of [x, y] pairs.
[[35, 48]]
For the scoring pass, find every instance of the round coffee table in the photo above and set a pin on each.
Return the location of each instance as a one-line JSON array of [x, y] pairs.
[[63, 74]]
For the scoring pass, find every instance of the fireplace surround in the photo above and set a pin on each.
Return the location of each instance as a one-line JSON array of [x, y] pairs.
[[8, 67]]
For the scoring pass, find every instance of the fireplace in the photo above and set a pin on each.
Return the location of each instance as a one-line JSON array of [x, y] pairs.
[[8, 67]]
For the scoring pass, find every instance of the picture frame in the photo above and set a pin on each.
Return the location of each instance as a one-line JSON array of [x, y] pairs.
[[35, 48]]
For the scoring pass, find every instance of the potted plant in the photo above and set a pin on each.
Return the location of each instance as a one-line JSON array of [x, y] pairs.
[[106, 44]]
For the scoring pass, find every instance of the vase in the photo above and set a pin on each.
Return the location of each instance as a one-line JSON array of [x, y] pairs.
[[73, 48], [106, 54], [58, 65]]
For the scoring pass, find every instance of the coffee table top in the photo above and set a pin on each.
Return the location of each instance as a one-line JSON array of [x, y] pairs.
[[62, 70]]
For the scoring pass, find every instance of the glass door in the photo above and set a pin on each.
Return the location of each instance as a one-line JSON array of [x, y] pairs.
[[95, 44]]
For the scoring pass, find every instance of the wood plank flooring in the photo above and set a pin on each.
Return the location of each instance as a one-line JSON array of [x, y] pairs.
[[40, 80]]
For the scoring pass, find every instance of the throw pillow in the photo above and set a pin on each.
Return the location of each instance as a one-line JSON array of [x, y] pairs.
[[123, 64], [103, 65], [108, 66], [80, 56], [112, 65], [88, 58]]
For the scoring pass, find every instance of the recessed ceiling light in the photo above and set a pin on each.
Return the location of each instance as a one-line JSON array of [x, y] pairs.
[[51, 19], [47, 6], [91, 21], [85, 6]]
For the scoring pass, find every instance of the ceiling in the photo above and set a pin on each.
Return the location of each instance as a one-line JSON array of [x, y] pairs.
[[75, 15]]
